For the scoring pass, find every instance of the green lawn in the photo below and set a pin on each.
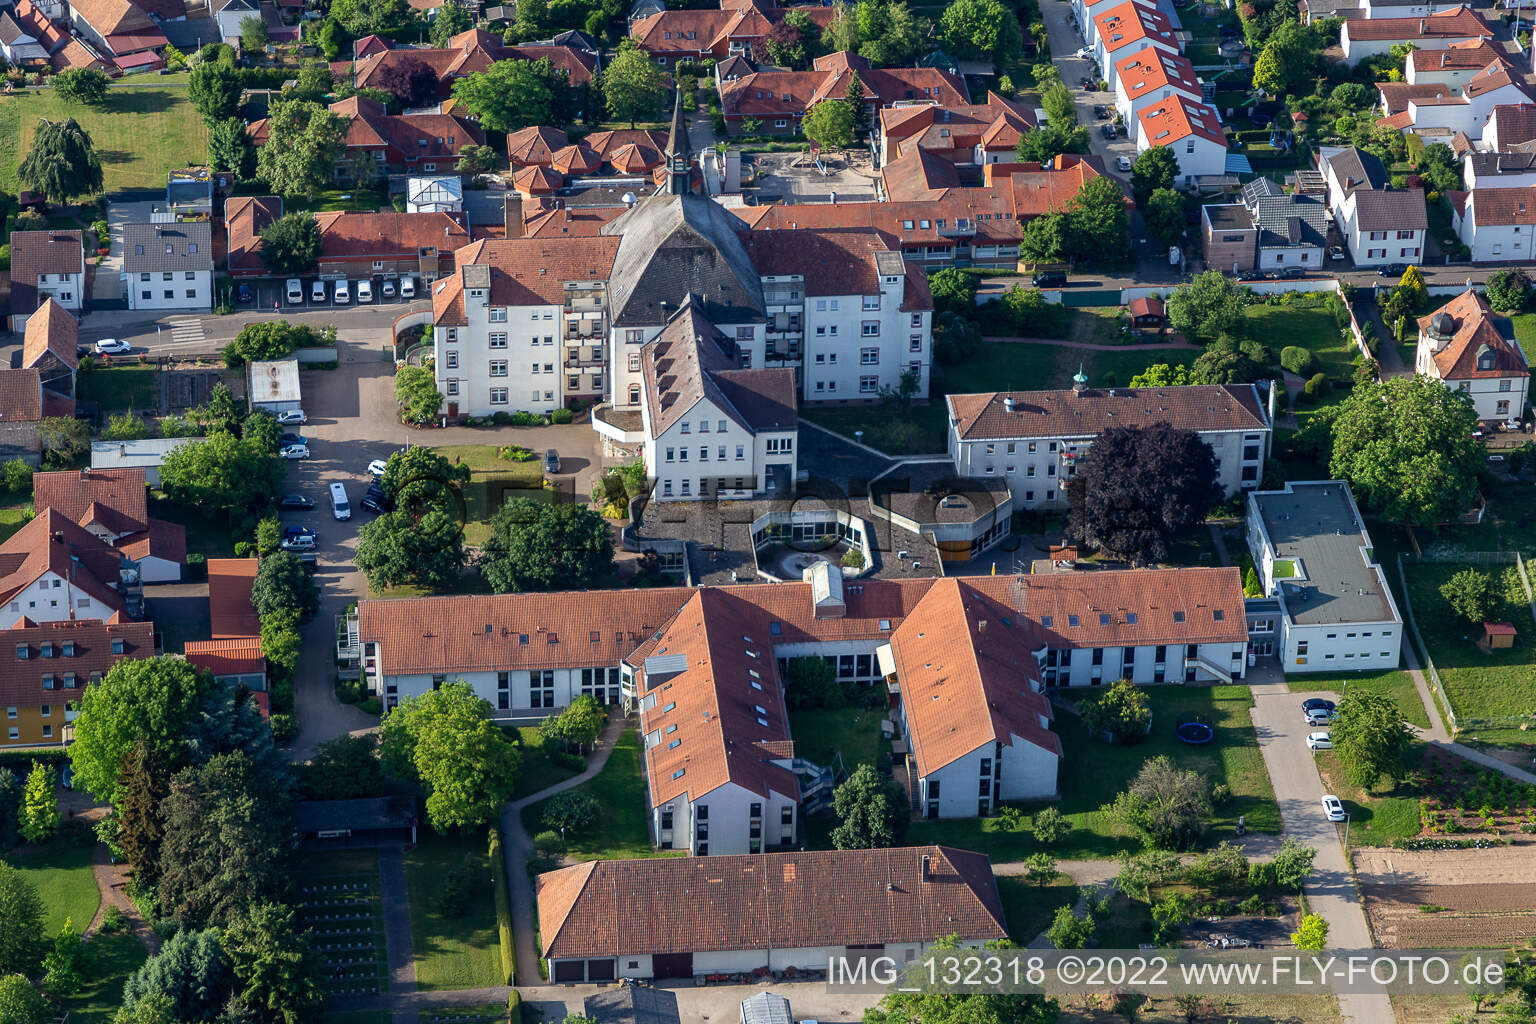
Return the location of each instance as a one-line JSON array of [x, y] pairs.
[[1380, 815], [119, 388], [1394, 683], [114, 958], [365, 199], [139, 133], [539, 772], [1525, 334], [1283, 569], [13, 518], [452, 952], [998, 366], [1028, 908], [622, 830], [1486, 690], [493, 482], [852, 732], [1092, 773], [65, 880]]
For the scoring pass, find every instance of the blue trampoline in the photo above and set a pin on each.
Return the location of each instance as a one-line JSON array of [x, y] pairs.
[[1194, 732]]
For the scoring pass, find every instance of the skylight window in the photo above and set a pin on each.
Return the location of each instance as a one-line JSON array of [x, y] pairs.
[[1071, 620], [679, 773], [1178, 616]]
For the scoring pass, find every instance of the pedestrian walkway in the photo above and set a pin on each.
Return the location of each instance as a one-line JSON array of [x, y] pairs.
[[112, 883], [519, 849], [186, 330], [399, 951], [1437, 734]]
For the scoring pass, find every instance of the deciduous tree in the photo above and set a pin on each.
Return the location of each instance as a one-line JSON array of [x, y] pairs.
[[1060, 107], [953, 290], [829, 124], [64, 439], [1406, 447], [303, 145], [345, 768], [1311, 934], [632, 87], [1155, 168], [1140, 488], [1068, 931], [1122, 710], [446, 740], [451, 19], [869, 811], [21, 1003], [1371, 736], [149, 701], [534, 546], [230, 149], [281, 582], [253, 34], [81, 85], [1509, 289], [572, 811], [416, 391], [1167, 804], [1162, 375], [62, 163], [1041, 145], [1211, 304], [1040, 869], [1163, 213], [1049, 826], [412, 82], [222, 474], [981, 28], [424, 548], [1470, 594], [214, 89], [1228, 360]]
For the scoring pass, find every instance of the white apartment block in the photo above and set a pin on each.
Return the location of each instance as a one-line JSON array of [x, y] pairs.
[[1327, 594], [1035, 440], [168, 266]]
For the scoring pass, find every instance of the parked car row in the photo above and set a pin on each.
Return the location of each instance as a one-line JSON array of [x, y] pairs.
[[343, 291]]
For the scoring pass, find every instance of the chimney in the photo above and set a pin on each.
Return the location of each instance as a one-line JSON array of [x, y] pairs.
[[1008, 403], [512, 215], [925, 867]]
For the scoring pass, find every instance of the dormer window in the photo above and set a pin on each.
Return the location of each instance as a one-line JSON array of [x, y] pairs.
[[1485, 358]]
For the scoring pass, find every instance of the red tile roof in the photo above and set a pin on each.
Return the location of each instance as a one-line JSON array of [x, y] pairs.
[[228, 657], [22, 680], [1047, 189], [1142, 74], [968, 677], [995, 124], [986, 415], [832, 262], [767, 901], [51, 542], [1177, 118], [1464, 56], [1515, 123], [791, 93], [1130, 23], [1476, 329], [699, 677], [534, 145], [1459, 21], [116, 499], [112, 17], [534, 271], [245, 217], [538, 180], [1395, 95], [21, 395], [52, 330], [355, 235], [404, 137], [229, 598]]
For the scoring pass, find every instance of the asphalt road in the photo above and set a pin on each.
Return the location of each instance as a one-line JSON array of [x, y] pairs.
[[1282, 735]]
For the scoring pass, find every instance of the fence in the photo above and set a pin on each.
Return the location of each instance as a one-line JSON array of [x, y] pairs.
[[1458, 557]]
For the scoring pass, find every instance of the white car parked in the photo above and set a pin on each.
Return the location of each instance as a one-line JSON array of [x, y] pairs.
[[1319, 741], [295, 292], [407, 287], [291, 416], [365, 291], [294, 451], [378, 466], [1333, 809], [343, 294], [112, 346]]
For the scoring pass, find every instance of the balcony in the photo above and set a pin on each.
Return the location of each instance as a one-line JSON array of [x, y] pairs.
[[619, 425], [963, 227]]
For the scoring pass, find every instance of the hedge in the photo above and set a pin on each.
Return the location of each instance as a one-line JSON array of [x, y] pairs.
[[503, 907]]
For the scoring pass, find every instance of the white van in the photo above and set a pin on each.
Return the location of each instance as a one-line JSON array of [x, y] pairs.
[[295, 291], [365, 291], [343, 294], [407, 287], [339, 506]]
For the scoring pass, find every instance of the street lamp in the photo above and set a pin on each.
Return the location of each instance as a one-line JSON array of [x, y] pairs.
[[1347, 819]]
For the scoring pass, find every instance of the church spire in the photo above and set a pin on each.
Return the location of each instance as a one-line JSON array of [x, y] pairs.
[[679, 154]]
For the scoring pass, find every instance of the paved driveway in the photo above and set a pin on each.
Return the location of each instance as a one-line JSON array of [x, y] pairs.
[[352, 421], [1282, 736]]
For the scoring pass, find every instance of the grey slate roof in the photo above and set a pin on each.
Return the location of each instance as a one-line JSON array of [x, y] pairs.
[[1391, 210], [1488, 164], [151, 248], [1356, 168], [672, 246], [632, 1004], [368, 813], [1290, 220]]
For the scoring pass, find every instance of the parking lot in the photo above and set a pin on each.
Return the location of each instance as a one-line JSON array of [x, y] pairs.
[[273, 294]]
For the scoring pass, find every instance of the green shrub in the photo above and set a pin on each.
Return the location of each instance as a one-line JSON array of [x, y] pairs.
[[502, 418], [370, 706], [503, 910], [853, 558], [1316, 387], [1298, 360], [515, 453], [284, 728], [561, 416]]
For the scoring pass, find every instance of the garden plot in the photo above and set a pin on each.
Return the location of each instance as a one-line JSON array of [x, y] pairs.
[[347, 920], [1449, 898]]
